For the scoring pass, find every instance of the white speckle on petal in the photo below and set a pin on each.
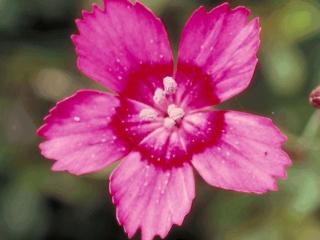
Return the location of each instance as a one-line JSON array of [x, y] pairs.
[[77, 119]]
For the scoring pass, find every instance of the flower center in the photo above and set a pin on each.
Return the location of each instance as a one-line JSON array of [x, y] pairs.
[[161, 98]]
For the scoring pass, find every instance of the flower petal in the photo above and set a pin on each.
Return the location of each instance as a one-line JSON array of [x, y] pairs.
[[78, 136], [151, 198], [120, 41], [223, 45], [247, 158]]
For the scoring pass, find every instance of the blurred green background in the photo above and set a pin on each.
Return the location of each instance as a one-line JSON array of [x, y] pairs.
[[37, 67]]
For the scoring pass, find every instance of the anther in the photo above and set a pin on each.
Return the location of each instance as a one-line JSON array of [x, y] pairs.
[[169, 123], [159, 96], [148, 114], [175, 112], [170, 85]]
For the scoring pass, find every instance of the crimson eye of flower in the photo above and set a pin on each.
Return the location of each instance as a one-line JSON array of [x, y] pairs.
[[158, 119], [166, 131]]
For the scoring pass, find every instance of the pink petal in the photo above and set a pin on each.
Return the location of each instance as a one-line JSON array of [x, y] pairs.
[[120, 43], [222, 45], [78, 136], [150, 198], [247, 158]]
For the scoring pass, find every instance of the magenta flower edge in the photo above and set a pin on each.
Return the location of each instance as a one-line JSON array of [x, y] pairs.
[[159, 118]]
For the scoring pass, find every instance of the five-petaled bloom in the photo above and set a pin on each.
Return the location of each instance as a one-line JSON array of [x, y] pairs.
[[158, 117]]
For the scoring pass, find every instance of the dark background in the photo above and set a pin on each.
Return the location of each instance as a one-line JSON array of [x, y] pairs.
[[37, 67]]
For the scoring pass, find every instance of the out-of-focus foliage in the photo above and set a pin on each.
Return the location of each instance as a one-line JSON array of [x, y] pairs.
[[37, 67]]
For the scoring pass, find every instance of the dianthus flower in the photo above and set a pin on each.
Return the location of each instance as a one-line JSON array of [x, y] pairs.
[[158, 116]]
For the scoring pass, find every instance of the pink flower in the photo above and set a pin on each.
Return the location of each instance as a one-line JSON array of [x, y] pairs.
[[157, 117]]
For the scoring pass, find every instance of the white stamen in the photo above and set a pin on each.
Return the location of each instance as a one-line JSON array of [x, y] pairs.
[[169, 123], [159, 96], [148, 114], [170, 85], [175, 112]]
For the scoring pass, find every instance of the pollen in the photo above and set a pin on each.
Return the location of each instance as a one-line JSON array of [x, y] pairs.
[[169, 123], [159, 96], [170, 85], [148, 114], [175, 112]]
